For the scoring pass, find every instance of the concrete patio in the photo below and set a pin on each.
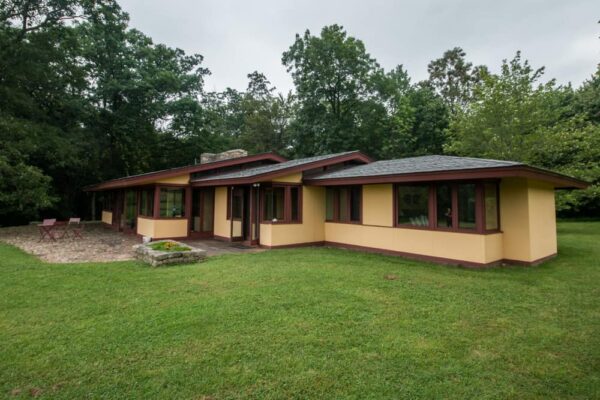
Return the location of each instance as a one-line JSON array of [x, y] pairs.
[[99, 243]]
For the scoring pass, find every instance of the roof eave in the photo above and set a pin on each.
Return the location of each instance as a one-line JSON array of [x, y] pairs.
[[354, 156], [153, 176], [558, 180]]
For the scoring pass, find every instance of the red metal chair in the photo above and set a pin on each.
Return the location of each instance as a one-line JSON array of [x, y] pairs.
[[46, 228], [76, 227]]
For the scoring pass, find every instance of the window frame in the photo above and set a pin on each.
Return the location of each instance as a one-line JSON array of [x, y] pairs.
[[185, 198], [336, 204], [287, 203], [480, 225], [152, 198]]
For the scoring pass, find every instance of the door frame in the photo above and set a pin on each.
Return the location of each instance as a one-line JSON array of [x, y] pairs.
[[200, 208]]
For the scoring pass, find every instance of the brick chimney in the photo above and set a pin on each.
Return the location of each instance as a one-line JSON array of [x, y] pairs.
[[226, 155]]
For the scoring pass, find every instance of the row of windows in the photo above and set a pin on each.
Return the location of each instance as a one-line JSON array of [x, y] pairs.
[[453, 206], [280, 203], [447, 206]]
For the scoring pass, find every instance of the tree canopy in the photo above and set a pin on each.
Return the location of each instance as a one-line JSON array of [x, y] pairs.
[[85, 98]]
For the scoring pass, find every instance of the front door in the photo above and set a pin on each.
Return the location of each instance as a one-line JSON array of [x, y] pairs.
[[203, 212]]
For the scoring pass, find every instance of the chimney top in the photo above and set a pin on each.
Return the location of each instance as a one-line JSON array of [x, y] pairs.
[[225, 155]]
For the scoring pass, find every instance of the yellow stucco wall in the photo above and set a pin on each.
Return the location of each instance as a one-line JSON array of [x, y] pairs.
[[222, 225], [162, 228], [145, 227], [176, 180], [378, 205], [311, 229], [292, 178], [542, 220], [450, 245], [107, 217], [528, 219]]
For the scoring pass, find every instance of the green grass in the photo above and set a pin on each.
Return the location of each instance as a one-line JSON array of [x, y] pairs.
[[303, 323]]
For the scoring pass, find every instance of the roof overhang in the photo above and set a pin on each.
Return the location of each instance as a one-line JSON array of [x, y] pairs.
[[151, 177], [559, 181], [355, 156]]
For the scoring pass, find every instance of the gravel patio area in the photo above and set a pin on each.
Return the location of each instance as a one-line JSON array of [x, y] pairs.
[[99, 244]]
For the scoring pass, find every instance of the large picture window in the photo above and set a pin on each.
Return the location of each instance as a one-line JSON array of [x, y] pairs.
[[172, 203], [274, 204], [282, 203], [466, 206], [343, 204], [469, 206], [412, 205], [147, 203]]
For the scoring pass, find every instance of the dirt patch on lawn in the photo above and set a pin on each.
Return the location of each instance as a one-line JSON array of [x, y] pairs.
[[99, 243]]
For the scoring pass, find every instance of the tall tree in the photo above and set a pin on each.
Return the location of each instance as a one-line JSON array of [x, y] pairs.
[[332, 73], [506, 109], [453, 77]]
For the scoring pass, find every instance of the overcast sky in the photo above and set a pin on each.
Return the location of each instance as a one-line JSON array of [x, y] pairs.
[[238, 37]]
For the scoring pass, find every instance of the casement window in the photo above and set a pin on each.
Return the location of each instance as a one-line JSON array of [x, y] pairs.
[[107, 201], [412, 205], [281, 203], [172, 202], [464, 207], [146, 202], [343, 204]]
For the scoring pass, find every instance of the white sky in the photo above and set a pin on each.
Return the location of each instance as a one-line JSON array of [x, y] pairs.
[[238, 37]]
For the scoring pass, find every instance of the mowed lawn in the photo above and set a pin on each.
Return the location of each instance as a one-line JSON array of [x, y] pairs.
[[303, 323]]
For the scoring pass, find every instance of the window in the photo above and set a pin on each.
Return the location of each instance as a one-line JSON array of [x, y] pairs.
[[282, 203], [237, 203], [274, 205], [443, 200], [107, 201], [491, 206], [412, 204], [469, 206], [466, 206], [130, 206], [343, 204], [147, 203], [295, 194], [172, 203]]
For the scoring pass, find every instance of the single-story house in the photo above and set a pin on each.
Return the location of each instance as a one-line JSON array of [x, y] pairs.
[[459, 210]]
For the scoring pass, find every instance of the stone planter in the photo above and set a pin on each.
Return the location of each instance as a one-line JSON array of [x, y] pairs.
[[158, 258]]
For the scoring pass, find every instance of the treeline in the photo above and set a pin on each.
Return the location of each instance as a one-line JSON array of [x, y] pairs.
[[85, 98]]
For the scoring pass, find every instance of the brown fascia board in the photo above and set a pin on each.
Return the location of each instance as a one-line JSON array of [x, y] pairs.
[[152, 176], [356, 156], [523, 171]]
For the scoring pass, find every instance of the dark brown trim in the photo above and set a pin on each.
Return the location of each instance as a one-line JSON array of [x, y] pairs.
[[438, 260], [267, 176], [529, 263], [291, 246], [413, 256], [189, 169], [558, 180]]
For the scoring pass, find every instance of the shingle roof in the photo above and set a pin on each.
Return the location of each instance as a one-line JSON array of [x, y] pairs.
[[125, 181], [414, 165], [266, 169]]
